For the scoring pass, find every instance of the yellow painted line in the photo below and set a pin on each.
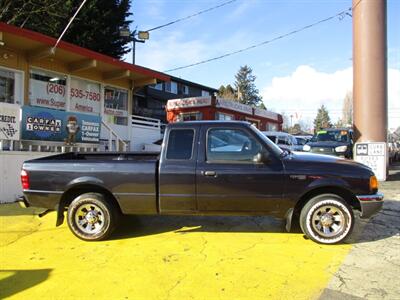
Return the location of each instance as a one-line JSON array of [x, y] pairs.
[[158, 259]]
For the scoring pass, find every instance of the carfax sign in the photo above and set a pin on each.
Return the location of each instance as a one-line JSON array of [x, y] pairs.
[[59, 126], [374, 155]]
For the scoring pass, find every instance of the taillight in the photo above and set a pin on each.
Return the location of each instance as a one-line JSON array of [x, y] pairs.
[[25, 180]]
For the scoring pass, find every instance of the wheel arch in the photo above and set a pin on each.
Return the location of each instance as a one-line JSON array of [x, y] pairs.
[[346, 194], [74, 191]]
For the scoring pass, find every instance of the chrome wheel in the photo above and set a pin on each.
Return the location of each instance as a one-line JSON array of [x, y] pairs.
[[89, 218], [328, 221]]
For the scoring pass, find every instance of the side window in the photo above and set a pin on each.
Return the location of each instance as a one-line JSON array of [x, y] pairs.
[[231, 145], [180, 144]]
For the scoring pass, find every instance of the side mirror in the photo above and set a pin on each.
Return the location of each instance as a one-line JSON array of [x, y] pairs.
[[261, 158]]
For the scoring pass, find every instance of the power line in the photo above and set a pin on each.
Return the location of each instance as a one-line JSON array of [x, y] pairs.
[[339, 15], [193, 15]]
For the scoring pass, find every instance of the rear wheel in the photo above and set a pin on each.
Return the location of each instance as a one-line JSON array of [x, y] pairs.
[[327, 219], [91, 217]]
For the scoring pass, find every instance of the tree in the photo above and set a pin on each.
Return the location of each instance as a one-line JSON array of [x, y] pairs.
[[322, 120], [227, 92], [347, 111], [96, 26], [247, 92]]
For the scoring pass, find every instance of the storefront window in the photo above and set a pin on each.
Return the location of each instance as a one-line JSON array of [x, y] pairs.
[[192, 116], [10, 87], [222, 116], [116, 105], [47, 89], [84, 96]]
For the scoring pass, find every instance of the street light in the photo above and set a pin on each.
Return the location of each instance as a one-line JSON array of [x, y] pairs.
[[126, 33]]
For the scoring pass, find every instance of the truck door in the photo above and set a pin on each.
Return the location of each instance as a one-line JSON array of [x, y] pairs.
[[177, 170], [228, 178]]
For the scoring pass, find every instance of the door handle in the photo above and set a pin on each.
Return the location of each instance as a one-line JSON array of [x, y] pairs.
[[209, 173]]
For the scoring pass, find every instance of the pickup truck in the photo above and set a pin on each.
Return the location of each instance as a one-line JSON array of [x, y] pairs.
[[204, 168]]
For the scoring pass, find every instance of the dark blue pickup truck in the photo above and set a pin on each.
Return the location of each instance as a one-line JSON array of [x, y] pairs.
[[204, 168]]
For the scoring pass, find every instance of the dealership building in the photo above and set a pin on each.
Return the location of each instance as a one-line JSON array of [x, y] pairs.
[[51, 98], [214, 108]]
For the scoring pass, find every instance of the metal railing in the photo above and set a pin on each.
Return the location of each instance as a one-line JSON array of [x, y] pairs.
[[113, 136], [144, 121]]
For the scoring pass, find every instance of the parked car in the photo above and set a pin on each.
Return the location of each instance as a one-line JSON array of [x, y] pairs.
[[332, 141], [283, 140], [394, 151], [204, 168]]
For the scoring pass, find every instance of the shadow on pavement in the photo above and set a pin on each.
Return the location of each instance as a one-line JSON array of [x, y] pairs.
[[20, 280]]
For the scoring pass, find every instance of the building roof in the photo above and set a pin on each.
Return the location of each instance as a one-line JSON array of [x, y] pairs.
[[190, 83], [38, 46]]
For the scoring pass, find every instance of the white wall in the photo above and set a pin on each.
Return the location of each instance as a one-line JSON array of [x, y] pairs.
[[143, 135], [10, 170]]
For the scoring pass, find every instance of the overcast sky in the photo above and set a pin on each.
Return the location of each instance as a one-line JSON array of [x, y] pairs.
[[295, 75]]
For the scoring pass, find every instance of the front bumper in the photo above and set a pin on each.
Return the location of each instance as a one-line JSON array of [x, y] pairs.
[[370, 204]]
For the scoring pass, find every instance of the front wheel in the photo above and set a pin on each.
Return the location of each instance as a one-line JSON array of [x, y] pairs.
[[327, 219], [91, 217]]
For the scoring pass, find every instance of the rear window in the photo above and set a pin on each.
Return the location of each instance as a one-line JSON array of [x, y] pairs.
[[180, 144]]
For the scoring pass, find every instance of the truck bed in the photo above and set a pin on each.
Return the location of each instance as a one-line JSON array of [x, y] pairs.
[[130, 177], [101, 156]]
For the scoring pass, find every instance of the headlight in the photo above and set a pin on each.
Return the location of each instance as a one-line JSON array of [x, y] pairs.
[[306, 148], [341, 149]]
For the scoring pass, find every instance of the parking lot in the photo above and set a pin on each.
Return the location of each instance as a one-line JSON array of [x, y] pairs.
[[199, 258]]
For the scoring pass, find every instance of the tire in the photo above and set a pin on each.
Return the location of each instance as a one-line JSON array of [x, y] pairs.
[[327, 219], [91, 217]]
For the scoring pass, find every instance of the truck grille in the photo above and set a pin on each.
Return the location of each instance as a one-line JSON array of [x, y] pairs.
[[322, 150]]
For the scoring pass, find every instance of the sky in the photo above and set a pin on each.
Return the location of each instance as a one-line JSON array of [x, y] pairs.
[[295, 74]]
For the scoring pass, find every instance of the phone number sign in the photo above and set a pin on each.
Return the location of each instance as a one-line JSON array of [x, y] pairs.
[[373, 155], [84, 96]]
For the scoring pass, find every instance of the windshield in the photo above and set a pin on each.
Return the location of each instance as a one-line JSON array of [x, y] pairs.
[[301, 141], [331, 136], [274, 148]]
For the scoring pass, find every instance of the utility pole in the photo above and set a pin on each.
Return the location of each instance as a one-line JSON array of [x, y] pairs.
[[370, 70], [370, 85]]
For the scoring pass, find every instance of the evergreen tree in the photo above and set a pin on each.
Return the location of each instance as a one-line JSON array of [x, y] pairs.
[[96, 26], [247, 92], [322, 120], [227, 92]]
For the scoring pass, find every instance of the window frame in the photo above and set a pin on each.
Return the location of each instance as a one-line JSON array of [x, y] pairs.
[[17, 92], [167, 145], [249, 134]]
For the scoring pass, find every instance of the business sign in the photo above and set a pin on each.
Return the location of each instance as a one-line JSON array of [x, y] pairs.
[[9, 121], [189, 102], [233, 105], [265, 113], [373, 155], [59, 126], [47, 90], [84, 96]]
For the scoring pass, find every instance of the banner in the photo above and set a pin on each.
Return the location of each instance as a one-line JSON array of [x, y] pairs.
[[59, 126], [9, 121], [47, 89], [85, 96]]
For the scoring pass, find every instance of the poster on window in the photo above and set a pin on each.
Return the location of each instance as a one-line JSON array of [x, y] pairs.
[[59, 126], [9, 121], [115, 102], [84, 96], [47, 89]]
